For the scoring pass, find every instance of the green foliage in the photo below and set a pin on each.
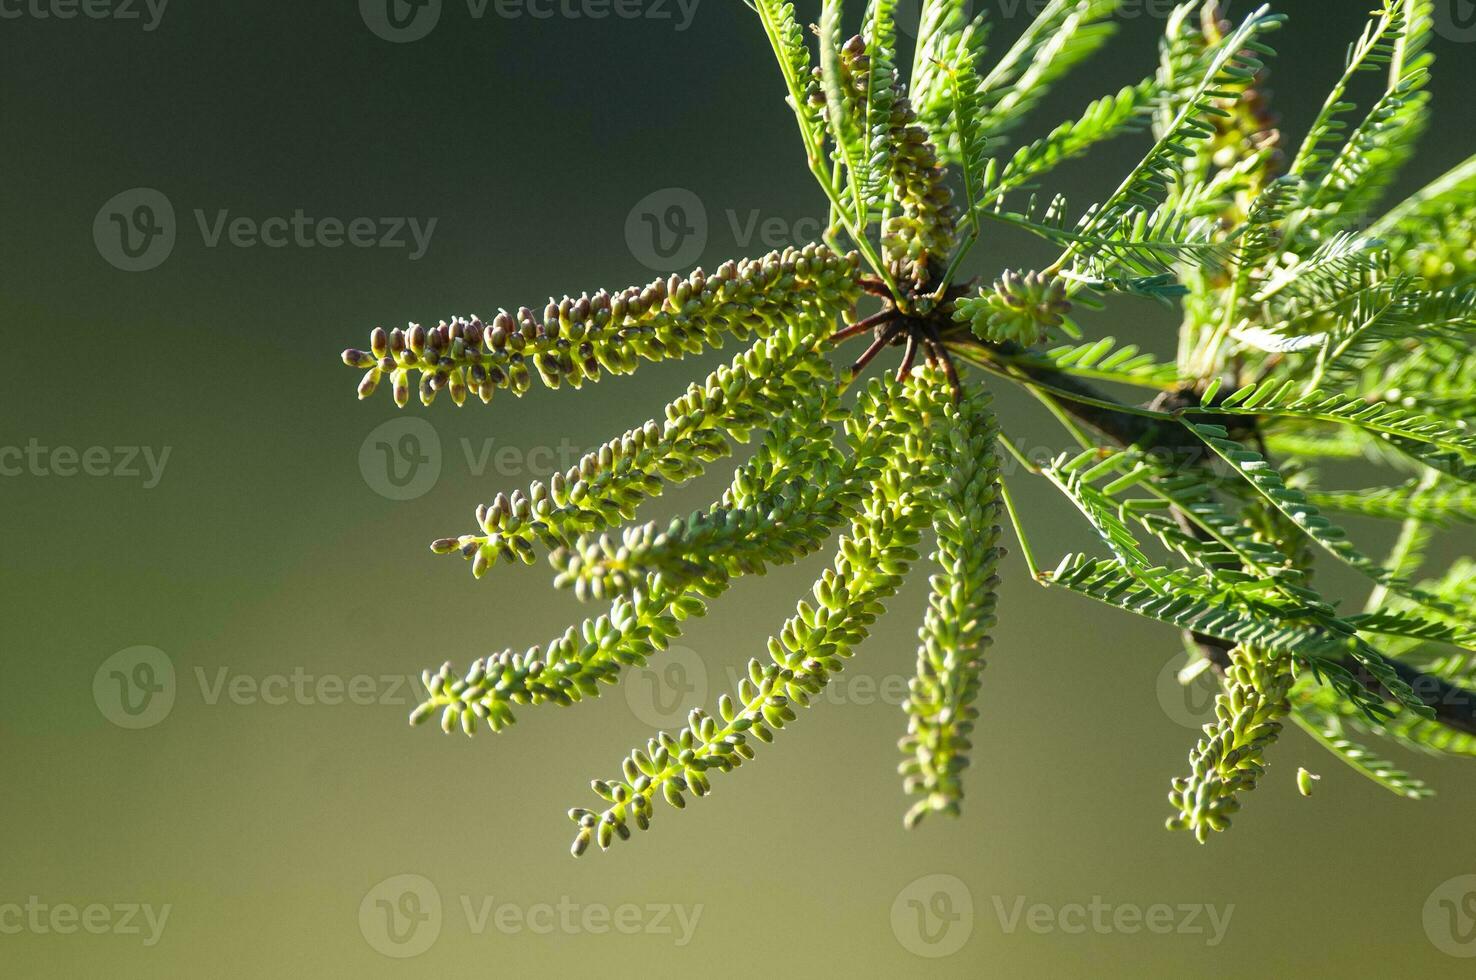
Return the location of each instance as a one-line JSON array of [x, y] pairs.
[[1231, 67], [1374, 152], [1435, 505], [1378, 47], [1064, 34], [1103, 360], [1302, 345], [1444, 444], [1293, 504], [1196, 602], [1109, 116], [1432, 234]]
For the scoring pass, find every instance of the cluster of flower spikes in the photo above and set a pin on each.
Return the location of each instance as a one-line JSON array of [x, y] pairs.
[[901, 470], [1021, 308], [783, 504], [607, 485], [1230, 758], [575, 339], [783, 383], [924, 232], [895, 425]]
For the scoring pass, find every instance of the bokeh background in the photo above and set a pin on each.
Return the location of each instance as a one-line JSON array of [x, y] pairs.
[[204, 697]]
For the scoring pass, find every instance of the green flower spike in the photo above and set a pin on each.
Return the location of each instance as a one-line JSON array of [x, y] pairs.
[[960, 613], [1021, 309], [1230, 759]]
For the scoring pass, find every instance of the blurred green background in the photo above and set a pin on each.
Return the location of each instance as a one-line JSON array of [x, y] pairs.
[[284, 591]]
